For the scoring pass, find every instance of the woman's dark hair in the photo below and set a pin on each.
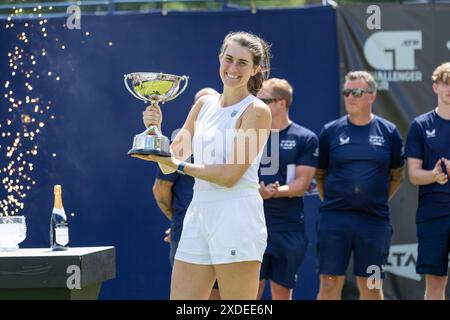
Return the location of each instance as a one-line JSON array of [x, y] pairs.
[[260, 51]]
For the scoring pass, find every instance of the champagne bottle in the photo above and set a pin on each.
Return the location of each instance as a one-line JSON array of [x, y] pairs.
[[59, 228]]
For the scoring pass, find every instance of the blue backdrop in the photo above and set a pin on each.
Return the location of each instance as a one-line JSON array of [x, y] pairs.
[[84, 147]]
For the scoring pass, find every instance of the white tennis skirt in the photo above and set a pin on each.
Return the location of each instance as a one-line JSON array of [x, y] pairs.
[[223, 226]]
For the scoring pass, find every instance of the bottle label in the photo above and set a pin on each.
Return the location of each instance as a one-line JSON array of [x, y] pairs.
[[62, 236], [60, 212]]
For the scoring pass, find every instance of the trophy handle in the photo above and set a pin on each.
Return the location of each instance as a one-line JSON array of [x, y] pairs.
[[186, 80], [125, 80]]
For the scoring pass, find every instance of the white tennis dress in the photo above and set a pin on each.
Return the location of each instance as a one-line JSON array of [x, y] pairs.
[[222, 225]]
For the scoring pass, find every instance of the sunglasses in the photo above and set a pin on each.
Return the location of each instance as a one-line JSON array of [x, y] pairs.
[[357, 92], [268, 100]]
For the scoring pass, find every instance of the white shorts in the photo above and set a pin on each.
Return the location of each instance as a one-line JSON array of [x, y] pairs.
[[223, 226]]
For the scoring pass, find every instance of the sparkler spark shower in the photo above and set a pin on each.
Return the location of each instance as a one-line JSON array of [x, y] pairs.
[[24, 111]]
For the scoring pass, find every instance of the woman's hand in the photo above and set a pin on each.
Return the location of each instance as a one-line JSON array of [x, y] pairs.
[[170, 162], [152, 116]]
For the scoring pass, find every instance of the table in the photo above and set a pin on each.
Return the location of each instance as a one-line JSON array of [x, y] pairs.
[[76, 273]]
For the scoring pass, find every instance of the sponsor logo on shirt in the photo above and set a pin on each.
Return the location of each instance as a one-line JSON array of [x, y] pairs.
[[376, 140], [343, 140], [234, 113], [288, 144], [430, 133]]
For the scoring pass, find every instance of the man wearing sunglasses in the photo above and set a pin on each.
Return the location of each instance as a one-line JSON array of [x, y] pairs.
[[428, 153], [296, 153], [360, 169]]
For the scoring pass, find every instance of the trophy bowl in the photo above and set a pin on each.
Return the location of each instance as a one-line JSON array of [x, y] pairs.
[[154, 88]]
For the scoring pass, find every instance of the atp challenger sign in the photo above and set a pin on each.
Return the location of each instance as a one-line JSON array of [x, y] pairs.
[[400, 45], [392, 56]]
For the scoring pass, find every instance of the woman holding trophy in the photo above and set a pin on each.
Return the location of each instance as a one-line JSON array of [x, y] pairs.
[[224, 232]]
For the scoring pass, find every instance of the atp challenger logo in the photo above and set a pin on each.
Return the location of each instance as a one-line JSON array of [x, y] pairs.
[[392, 55]]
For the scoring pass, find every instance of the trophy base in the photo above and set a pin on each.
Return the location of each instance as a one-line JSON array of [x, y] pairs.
[[154, 144], [160, 153]]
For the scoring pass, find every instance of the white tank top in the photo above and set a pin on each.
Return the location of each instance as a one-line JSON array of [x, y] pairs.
[[214, 134]]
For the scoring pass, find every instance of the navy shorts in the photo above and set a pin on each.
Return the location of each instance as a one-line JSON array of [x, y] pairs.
[[341, 234], [434, 245], [173, 250], [284, 255]]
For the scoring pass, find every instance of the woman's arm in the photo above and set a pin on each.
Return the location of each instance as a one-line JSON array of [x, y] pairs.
[[181, 146], [251, 137]]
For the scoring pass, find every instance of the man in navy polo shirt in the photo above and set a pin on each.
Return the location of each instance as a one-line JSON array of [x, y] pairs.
[[295, 150], [360, 168], [428, 153], [173, 194]]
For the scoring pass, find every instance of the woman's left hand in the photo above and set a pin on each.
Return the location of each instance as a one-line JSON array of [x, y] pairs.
[[168, 161]]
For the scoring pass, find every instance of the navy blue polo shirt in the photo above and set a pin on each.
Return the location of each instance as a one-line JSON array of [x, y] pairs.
[[358, 160], [429, 140], [182, 192], [295, 146]]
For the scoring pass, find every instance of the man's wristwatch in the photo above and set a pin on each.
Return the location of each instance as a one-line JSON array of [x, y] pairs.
[[180, 168]]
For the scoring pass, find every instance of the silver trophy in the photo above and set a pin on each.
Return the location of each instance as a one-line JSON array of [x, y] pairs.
[[154, 88]]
